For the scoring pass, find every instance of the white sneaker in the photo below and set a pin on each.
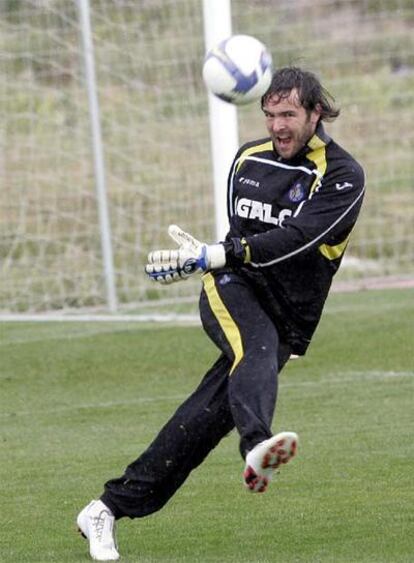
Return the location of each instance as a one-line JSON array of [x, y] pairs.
[[97, 524], [267, 456]]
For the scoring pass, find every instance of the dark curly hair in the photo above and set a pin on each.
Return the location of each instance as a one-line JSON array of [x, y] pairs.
[[312, 94]]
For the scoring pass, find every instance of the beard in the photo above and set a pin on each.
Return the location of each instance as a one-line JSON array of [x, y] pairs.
[[289, 143]]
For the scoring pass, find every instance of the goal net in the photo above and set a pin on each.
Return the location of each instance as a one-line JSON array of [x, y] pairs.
[[153, 117]]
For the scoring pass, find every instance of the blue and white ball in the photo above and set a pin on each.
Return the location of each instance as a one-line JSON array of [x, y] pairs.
[[238, 70]]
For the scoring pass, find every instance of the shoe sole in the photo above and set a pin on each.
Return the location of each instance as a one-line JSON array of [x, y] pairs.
[[282, 452], [276, 454]]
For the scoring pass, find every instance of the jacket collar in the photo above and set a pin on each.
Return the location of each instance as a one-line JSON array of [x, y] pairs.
[[318, 140]]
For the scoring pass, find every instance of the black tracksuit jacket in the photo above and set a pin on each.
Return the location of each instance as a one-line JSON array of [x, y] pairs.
[[295, 217]]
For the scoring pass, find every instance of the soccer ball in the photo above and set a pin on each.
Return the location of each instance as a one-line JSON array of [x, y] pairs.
[[238, 70]]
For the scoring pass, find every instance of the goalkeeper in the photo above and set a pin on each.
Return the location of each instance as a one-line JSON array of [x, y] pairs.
[[293, 199]]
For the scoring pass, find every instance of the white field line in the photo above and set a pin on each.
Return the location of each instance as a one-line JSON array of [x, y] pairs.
[[118, 318], [178, 318], [340, 378], [149, 322], [349, 377], [80, 333]]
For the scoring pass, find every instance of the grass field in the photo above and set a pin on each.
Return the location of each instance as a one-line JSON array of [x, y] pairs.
[[79, 401]]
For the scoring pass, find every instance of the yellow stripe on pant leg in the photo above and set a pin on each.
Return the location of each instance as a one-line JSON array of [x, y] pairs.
[[224, 319]]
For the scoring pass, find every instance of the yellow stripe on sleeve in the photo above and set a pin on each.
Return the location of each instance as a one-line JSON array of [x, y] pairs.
[[268, 146], [333, 252], [224, 319], [318, 156]]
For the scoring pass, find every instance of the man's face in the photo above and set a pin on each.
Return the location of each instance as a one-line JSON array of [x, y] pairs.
[[289, 125]]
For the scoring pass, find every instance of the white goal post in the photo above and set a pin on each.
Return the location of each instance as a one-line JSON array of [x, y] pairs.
[[223, 117], [98, 154], [108, 135]]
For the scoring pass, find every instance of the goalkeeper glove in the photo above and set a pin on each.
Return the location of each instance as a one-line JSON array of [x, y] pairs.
[[192, 256]]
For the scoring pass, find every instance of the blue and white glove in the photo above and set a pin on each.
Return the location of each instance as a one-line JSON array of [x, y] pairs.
[[192, 256]]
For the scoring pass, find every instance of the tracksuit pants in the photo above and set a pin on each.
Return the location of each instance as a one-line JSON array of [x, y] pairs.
[[239, 390]]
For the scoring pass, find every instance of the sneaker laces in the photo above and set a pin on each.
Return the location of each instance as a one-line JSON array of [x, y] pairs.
[[98, 524]]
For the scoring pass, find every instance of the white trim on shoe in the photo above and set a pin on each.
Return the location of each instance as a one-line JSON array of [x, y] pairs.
[[266, 457], [96, 523]]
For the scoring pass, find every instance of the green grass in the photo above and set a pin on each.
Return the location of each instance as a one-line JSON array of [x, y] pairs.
[[80, 401]]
